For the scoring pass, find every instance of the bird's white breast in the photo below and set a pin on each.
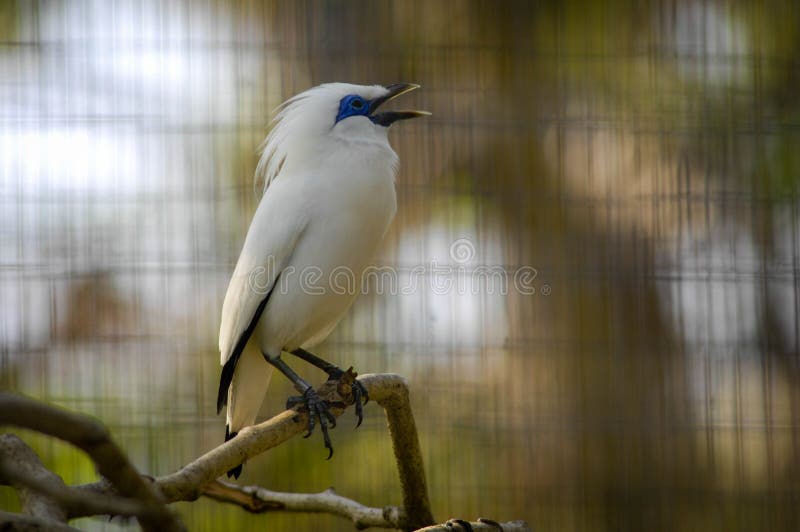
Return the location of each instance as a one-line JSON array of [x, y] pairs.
[[348, 197]]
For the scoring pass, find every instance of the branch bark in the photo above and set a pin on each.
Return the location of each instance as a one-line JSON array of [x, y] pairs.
[[391, 392], [31, 523], [34, 483], [21, 468], [93, 438], [256, 499]]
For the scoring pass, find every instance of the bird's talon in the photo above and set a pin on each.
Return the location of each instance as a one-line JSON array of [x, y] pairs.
[[317, 412], [331, 418], [361, 393], [323, 425], [310, 424], [359, 414]]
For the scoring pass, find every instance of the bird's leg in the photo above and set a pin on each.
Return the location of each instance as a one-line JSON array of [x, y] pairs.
[[335, 373], [317, 408]]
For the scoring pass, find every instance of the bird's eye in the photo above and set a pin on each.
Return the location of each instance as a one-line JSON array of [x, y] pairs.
[[352, 105]]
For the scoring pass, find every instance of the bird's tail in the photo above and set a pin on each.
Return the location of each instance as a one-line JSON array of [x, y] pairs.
[[236, 471], [245, 395]]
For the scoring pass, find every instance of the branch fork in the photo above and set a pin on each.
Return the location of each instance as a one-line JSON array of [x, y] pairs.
[[125, 492]]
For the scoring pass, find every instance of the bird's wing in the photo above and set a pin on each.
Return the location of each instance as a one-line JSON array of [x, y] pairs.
[[273, 234]]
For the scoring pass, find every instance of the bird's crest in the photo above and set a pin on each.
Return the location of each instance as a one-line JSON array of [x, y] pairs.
[[273, 150], [308, 113]]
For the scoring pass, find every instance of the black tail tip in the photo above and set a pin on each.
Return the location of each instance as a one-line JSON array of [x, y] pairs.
[[235, 472]]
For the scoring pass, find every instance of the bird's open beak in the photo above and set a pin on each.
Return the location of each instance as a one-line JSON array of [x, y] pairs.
[[387, 118]]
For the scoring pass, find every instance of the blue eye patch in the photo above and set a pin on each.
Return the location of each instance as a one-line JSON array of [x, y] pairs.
[[352, 105]]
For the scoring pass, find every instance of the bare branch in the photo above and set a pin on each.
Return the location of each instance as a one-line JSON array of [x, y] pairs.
[[94, 439], [258, 500], [198, 477], [28, 476], [388, 390], [20, 467], [29, 523], [391, 392]]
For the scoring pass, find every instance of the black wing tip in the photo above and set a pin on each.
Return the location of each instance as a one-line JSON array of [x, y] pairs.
[[229, 367], [236, 471], [221, 400]]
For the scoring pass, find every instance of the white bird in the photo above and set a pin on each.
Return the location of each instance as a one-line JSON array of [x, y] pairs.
[[329, 196]]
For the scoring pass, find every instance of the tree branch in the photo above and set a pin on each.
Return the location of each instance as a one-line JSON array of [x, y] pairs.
[[29, 523], [29, 477], [388, 390], [93, 438], [391, 392], [198, 477], [20, 467], [256, 499]]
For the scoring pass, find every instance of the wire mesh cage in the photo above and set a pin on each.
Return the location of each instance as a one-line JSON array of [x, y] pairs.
[[591, 282]]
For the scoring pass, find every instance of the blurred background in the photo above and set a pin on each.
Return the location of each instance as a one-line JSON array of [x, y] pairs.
[[642, 157]]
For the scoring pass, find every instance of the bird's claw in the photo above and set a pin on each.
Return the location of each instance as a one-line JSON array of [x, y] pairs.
[[360, 394], [317, 410]]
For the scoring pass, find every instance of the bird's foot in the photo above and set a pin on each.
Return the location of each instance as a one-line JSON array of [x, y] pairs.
[[360, 394], [317, 410]]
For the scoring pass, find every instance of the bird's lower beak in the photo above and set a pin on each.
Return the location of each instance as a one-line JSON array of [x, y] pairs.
[[387, 118]]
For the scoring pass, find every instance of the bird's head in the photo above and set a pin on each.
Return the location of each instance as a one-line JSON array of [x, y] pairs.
[[365, 101], [328, 114]]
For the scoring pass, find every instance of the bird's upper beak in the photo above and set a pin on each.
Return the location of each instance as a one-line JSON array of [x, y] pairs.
[[388, 117]]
